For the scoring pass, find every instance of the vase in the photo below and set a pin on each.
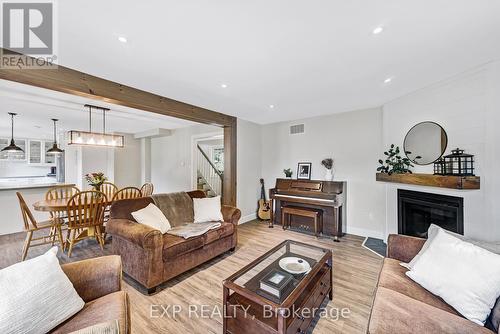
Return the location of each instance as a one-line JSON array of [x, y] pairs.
[[329, 175]]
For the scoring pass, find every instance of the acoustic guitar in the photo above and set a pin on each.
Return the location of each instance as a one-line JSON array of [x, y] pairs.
[[264, 212]]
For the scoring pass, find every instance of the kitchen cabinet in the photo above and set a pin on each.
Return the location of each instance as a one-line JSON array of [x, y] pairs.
[[35, 152]]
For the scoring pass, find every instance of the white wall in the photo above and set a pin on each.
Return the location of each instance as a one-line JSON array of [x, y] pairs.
[[96, 159], [145, 160], [354, 140], [171, 168], [468, 108], [21, 168], [127, 163], [171, 165], [249, 168]]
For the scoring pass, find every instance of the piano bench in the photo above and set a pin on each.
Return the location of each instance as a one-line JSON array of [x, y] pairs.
[[315, 214]]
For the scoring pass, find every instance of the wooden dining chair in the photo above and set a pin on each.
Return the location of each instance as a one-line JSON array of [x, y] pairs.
[[147, 189], [127, 193], [61, 192], [31, 226], [109, 189], [85, 212]]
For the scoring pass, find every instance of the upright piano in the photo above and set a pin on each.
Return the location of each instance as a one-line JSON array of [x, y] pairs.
[[327, 196]]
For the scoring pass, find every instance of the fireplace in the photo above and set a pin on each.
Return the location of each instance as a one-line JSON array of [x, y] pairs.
[[418, 210]]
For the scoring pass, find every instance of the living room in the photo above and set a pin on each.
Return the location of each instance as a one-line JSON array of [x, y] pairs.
[[286, 167]]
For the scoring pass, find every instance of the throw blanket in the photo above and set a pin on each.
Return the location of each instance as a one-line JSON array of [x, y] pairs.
[[177, 207], [193, 229]]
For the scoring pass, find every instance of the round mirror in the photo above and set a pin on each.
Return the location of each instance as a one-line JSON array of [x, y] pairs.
[[425, 143]]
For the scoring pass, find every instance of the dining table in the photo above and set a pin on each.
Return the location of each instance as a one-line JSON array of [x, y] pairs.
[[55, 205], [58, 207]]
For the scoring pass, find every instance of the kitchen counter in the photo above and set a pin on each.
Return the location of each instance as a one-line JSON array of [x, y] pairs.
[[33, 190], [14, 183]]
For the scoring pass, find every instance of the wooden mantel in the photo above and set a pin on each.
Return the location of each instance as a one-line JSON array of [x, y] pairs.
[[430, 180]]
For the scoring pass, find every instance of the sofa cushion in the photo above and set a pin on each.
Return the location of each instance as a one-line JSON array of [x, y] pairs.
[[225, 230], [177, 207], [393, 277], [110, 307], [394, 312], [174, 246]]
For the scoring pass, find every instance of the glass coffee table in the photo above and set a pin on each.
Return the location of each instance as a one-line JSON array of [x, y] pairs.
[[279, 292]]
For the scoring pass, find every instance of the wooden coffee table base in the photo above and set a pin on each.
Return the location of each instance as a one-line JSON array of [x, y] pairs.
[[247, 312]]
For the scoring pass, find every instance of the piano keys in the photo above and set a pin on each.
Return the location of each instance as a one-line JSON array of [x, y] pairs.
[[327, 196]]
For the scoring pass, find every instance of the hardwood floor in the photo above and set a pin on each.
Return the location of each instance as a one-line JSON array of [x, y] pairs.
[[355, 270]]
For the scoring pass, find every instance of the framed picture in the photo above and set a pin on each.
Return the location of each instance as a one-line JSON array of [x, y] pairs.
[[304, 171]]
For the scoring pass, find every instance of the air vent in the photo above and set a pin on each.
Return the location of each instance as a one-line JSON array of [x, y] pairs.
[[296, 129]]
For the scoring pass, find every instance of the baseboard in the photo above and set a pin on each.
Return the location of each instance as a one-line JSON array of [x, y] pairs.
[[247, 218], [365, 232]]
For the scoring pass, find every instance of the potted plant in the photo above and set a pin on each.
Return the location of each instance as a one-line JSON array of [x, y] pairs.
[[394, 163], [95, 180], [288, 173], [328, 164]]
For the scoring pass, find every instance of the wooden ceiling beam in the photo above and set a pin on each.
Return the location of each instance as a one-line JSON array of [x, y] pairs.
[[67, 80]]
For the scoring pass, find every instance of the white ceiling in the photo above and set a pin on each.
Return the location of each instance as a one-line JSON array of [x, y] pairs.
[[304, 57], [36, 106]]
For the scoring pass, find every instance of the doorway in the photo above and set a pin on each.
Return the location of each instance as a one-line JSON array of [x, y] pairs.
[[208, 163]]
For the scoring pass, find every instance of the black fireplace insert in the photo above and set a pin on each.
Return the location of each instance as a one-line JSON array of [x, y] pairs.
[[418, 210]]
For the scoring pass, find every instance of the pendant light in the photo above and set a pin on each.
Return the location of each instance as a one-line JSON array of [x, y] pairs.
[[54, 149], [12, 148], [100, 139]]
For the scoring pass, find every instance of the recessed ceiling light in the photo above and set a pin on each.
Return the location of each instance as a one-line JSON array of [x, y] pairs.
[[388, 80], [223, 85], [122, 39], [378, 30], [271, 106]]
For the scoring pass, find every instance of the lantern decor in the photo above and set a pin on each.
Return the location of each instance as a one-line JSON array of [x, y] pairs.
[[459, 163], [440, 167]]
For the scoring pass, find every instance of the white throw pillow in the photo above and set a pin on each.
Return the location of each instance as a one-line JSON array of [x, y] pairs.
[[493, 247], [36, 296], [466, 276], [153, 217], [207, 210], [431, 233]]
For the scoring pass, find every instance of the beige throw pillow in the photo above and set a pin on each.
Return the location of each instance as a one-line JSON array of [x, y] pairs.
[[152, 217]]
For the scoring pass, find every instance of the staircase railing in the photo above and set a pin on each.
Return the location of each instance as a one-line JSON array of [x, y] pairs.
[[206, 169]]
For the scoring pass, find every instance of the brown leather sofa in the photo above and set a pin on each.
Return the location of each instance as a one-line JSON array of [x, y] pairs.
[[403, 306], [152, 258], [98, 282]]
